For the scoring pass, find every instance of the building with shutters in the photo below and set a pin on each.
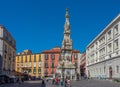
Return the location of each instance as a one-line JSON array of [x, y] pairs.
[[30, 64]]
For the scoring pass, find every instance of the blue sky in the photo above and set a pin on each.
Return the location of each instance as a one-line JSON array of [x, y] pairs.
[[39, 24]]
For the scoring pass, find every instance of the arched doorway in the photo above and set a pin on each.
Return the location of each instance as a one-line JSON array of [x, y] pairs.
[[110, 72]]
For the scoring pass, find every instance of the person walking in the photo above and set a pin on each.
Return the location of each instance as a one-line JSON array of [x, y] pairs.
[[53, 81], [57, 81], [61, 82], [43, 82], [19, 81], [68, 83], [65, 83]]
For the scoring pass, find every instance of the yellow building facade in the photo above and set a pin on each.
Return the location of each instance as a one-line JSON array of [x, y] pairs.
[[31, 64]]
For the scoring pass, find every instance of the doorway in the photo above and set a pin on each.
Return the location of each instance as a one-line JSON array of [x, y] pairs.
[[110, 72]]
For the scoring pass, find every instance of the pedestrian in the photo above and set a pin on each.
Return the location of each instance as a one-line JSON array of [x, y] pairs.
[[19, 81], [53, 81], [22, 80], [57, 81], [65, 83], [61, 82], [68, 83], [47, 80], [43, 82]]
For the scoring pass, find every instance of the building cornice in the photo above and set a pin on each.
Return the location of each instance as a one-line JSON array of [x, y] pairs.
[[114, 21], [4, 28], [8, 43]]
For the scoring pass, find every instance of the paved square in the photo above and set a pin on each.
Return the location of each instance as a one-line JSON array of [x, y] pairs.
[[83, 83]]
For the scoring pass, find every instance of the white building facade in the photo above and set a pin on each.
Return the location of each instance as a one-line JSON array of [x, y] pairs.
[[7, 52], [103, 53]]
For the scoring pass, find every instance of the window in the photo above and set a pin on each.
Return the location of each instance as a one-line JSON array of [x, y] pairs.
[[26, 58], [13, 54], [104, 69], [102, 52], [96, 56], [39, 64], [52, 71], [102, 41], [116, 30], [10, 52], [34, 70], [75, 56], [34, 64], [52, 64], [29, 70], [39, 70], [39, 58], [52, 56], [46, 71], [21, 59], [5, 56], [68, 72], [116, 44], [96, 45], [18, 58], [46, 56], [30, 59], [109, 35], [34, 58], [46, 65], [5, 48], [109, 48], [117, 69], [75, 64]]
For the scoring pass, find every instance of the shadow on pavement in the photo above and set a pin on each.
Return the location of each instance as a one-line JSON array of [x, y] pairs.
[[43, 85], [25, 84]]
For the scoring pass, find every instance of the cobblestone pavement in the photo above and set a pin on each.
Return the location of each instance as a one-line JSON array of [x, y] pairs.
[[83, 83]]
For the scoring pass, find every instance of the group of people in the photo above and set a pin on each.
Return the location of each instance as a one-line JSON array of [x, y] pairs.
[[57, 81], [62, 82]]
